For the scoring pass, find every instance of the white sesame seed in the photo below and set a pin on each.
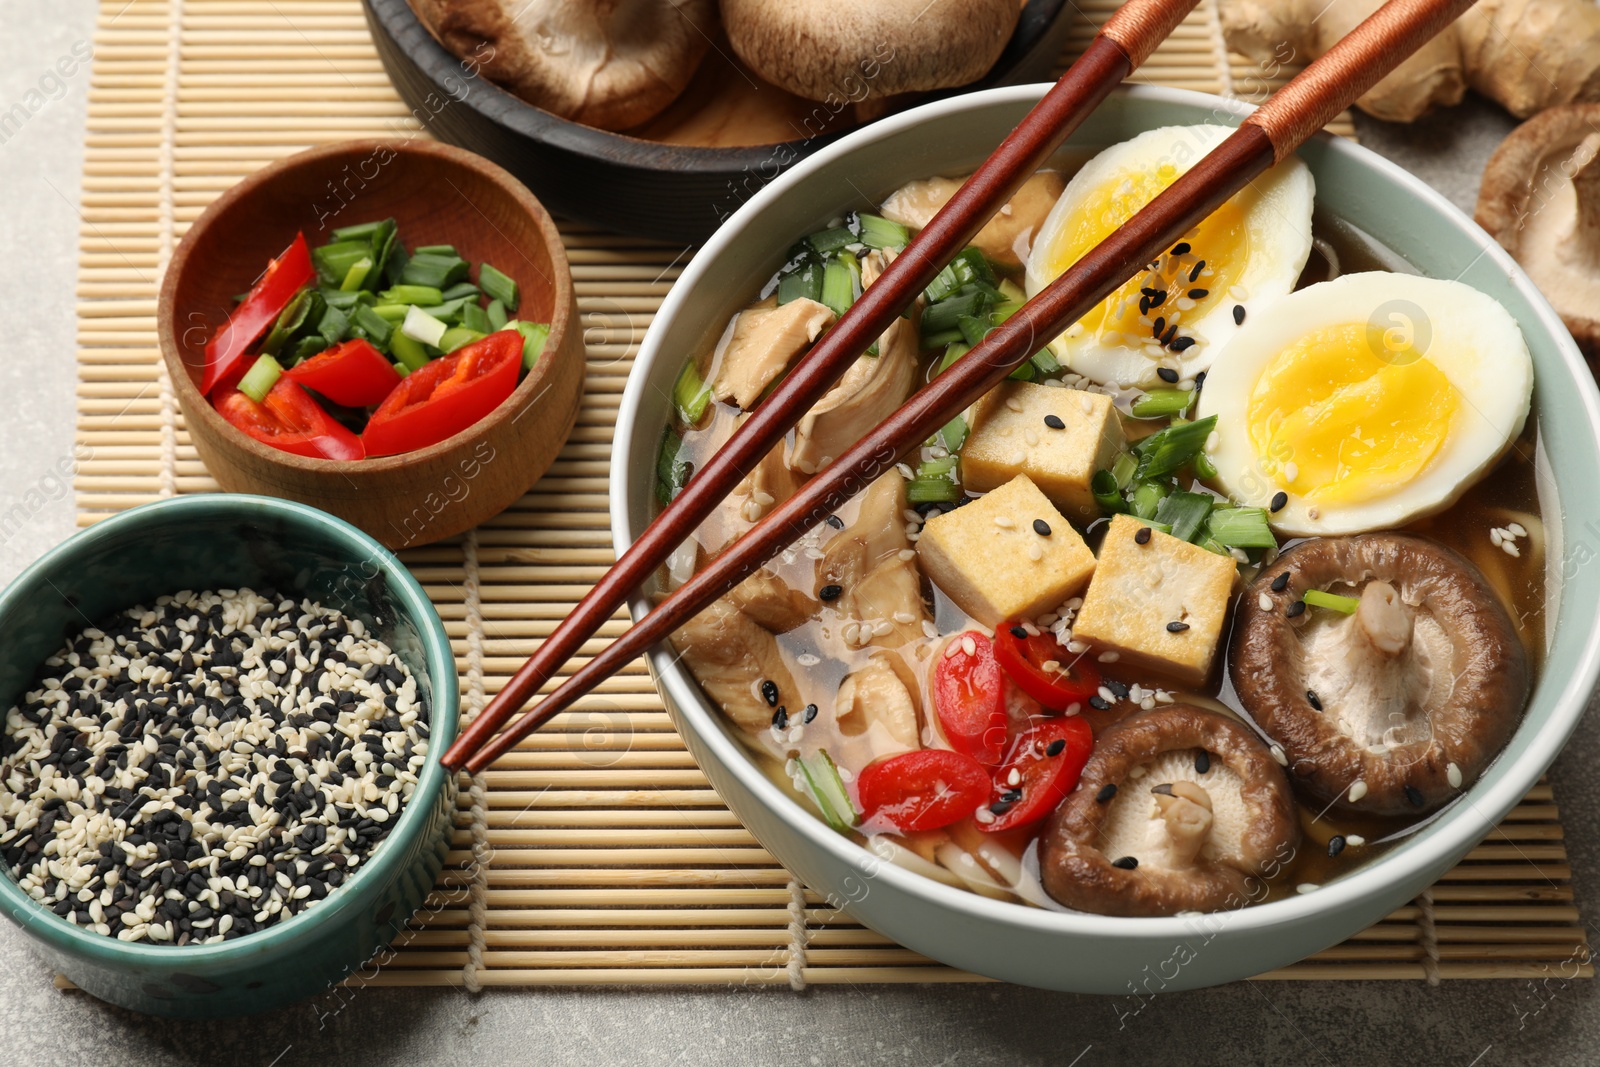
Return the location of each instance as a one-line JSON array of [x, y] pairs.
[[1510, 548], [906, 555], [1035, 552], [1355, 840], [1279, 755], [984, 815], [1357, 791], [969, 646], [1307, 887], [1453, 773], [1517, 530], [1496, 537], [1013, 404], [1109, 657], [1264, 602], [1005, 522]]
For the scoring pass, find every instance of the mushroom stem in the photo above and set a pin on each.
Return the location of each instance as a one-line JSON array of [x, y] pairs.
[[1584, 166], [1384, 619], [1186, 809]]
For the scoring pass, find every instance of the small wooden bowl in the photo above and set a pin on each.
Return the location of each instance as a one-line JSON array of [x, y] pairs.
[[439, 195], [678, 177]]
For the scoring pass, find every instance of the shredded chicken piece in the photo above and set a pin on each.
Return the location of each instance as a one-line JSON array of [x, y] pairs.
[[869, 392], [765, 341], [732, 656]]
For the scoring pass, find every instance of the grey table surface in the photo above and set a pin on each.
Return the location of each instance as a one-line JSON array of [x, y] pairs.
[[1458, 1023]]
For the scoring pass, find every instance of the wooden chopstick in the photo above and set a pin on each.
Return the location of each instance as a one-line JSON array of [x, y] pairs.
[[1126, 41], [1273, 132]]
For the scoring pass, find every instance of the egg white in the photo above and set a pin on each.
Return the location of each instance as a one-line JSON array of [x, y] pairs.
[[1473, 341], [1278, 228]]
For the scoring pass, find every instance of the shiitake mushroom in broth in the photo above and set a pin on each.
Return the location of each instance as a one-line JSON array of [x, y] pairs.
[[1107, 641]]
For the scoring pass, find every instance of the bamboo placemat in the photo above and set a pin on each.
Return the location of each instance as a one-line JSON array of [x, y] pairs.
[[597, 853]]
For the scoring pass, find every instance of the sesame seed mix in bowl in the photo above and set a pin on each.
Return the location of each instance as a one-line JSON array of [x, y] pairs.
[[201, 769]]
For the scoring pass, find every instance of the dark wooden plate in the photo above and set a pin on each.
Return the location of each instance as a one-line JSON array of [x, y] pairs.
[[654, 188]]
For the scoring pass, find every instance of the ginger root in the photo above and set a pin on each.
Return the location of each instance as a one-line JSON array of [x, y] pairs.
[[1526, 54]]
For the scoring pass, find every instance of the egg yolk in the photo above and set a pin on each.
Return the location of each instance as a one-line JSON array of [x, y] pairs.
[[1221, 242], [1337, 417]]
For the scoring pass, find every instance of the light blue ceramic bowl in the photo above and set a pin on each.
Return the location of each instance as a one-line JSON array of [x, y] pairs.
[[217, 541], [1091, 953]]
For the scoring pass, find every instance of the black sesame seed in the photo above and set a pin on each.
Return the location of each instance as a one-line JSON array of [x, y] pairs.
[[1164, 789], [1336, 845], [1172, 332], [830, 592], [810, 713], [1054, 422], [1000, 807], [1200, 380], [1181, 344], [1202, 762], [1314, 700], [1177, 627], [1281, 582], [1019, 633], [835, 521], [1296, 609], [780, 718], [1098, 702], [1126, 863], [1055, 747], [1238, 314], [1041, 527], [1414, 797], [1194, 275], [1279, 499], [1106, 794], [1118, 689], [1167, 374], [769, 692], [1199, 294], [1158, 326], [1012, 795], [1141, 536], [1181, 248]]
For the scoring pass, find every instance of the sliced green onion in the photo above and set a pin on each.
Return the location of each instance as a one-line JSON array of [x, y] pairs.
[[333, 261], [303, 348], [1123, 467], [952, 352], [671, 475], [391, 312], [1146, 498], [944, 283], [394, 264], [1204, 469], [1316, 598], [447, 251], [826, 241], [401, 369], [1003, 311], [449, 311], [1241, 528], [260, 378], [408, 350], [954, 433], [973, 330], [496, 313], [377, 328], [932, 491], [534, 335], [289, 320], [420, 295], [333, 325], [462, 290], [804, 281], [879, 232], [1166, 450], [1011, 292], [356, 276], [361, 231], [943, 339], [841, 282], [971, 265], [498, 286], [1023, 373], [1186, 513], [457, 336], [933, 468], [384, 242], [435, 269], [338, 298], [421, 326], [1045, 362], [691, 395], [474, 317], [1103, 484], [827, 789], [1161, 403]]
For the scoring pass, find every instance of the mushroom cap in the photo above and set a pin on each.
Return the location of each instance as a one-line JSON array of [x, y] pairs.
[[852, 52], [1412, 717], [611, 64], [1540, 198], [1252, 827]]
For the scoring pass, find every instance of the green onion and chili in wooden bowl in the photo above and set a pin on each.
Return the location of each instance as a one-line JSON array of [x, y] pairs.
[[414, 386]]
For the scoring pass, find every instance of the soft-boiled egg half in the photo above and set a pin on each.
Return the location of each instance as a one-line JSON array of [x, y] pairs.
[[1367, 401], [1181, 309]]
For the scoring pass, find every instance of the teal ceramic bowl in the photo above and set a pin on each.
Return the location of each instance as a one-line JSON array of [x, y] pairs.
[[1132, 957], [226, 541]]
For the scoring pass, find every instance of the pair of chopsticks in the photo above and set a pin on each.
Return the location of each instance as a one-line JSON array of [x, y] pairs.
[[1273, 132]]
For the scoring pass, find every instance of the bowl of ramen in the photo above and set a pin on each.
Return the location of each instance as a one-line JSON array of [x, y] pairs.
[[1233, 620]]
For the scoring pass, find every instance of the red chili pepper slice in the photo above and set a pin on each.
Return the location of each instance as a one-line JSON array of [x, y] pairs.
[[352, 373], [921, 790], [969, 694], [226, 352], [1072, 681], [291, 420], [1048, 759], [446, 396]]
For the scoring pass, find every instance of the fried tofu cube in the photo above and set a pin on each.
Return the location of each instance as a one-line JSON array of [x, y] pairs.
[[1140, 590], [993, 561], [1057, 437]]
